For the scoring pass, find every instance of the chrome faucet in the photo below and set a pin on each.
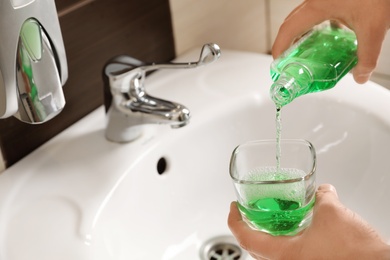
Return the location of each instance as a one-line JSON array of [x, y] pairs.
[[130, 106], [33, 66]]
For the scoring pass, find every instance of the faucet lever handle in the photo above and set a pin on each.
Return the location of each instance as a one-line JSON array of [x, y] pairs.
[[210, 52], [126, 75]]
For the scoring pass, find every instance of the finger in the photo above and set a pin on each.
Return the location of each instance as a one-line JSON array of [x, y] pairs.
[[234, 215], [327, 204], [256, 242], [300, 21], [370, 41], [327, 200], [296, 9]]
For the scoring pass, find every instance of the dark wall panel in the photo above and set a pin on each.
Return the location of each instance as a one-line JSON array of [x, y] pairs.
[[93, 32]]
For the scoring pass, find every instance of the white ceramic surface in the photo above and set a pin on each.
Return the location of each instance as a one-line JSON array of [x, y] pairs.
[[81, 197]]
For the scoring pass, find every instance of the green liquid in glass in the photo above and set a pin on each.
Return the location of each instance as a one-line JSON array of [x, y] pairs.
[[315, 63], [276, 216], [280, 208]]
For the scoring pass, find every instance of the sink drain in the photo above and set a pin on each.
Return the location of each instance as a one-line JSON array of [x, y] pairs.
[[222, 248]]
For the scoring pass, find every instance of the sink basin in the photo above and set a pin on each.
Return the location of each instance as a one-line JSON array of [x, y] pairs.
[[166, 194]]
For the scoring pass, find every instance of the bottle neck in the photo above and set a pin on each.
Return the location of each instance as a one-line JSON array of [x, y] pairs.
[[284, 90]]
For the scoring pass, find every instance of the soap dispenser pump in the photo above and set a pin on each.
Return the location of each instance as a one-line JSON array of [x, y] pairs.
[[33, 66]]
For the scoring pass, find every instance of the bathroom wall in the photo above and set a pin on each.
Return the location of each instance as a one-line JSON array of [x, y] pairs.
[[232, 24]]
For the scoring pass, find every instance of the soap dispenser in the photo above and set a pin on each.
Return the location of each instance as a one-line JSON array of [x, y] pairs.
[[33, 66]]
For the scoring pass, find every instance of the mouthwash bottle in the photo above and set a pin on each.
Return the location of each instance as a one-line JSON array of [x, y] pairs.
[[315, 63]]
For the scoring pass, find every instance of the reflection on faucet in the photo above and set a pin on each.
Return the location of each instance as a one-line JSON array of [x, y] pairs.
[[130, 106], [33, 66], [39, 84]]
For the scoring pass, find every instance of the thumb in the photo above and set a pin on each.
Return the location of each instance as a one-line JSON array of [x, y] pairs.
[[327, 188], [326, 191], [326, 199]]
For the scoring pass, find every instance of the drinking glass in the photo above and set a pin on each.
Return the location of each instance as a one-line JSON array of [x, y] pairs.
[[275, 184]]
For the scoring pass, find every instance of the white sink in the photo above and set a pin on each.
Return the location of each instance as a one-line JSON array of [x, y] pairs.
[[81, 197]]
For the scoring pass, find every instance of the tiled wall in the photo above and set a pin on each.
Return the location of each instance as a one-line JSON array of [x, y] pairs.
[[249, 25], [231, 24]]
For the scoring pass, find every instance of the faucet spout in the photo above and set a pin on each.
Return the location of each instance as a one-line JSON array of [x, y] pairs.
[[161, 111], [125, 118]]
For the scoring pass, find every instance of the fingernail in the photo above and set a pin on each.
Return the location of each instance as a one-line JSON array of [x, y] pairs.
[[327, 187]]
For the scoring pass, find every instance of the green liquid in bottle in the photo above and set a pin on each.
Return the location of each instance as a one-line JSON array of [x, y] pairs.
[[315, 63]]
